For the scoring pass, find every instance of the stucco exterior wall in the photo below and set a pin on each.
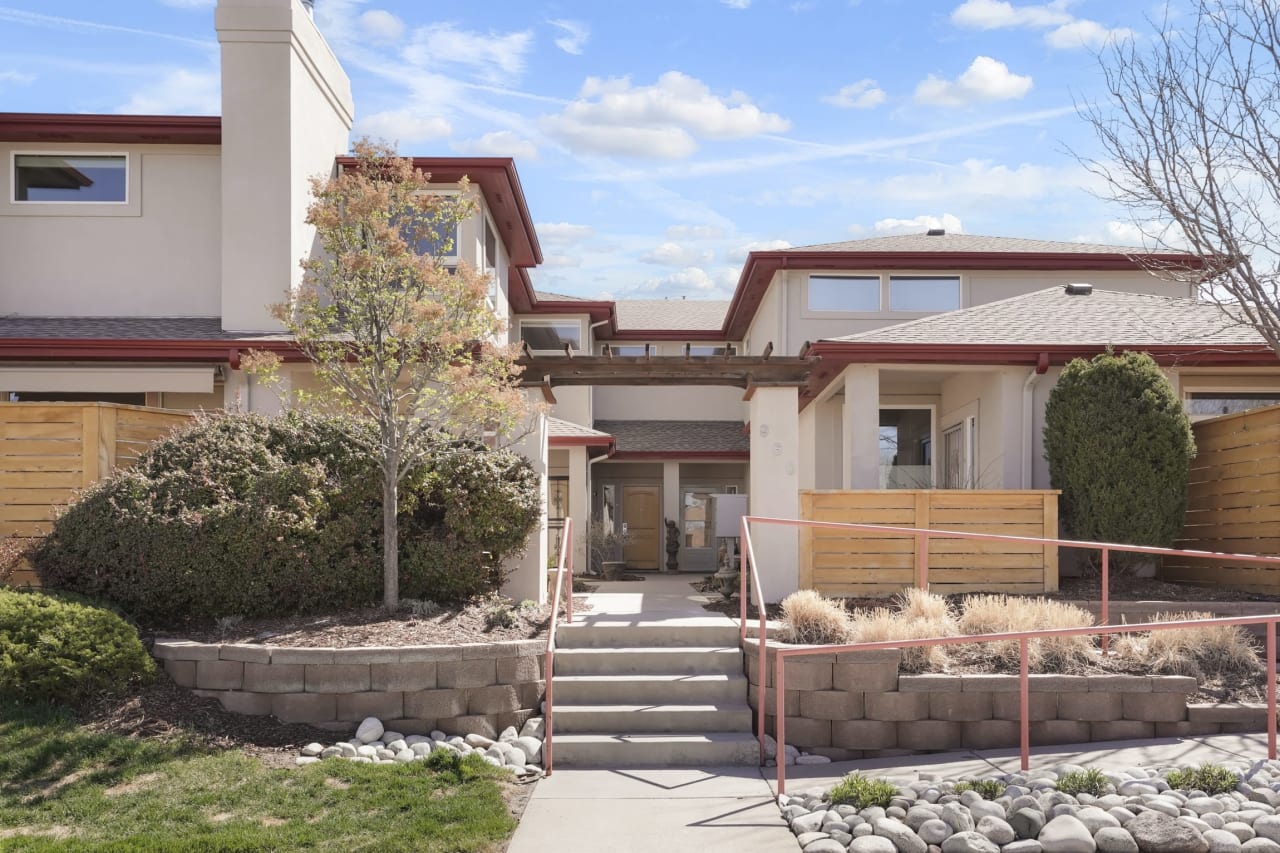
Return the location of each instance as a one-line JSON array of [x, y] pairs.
[[692, 403], [158, 255]]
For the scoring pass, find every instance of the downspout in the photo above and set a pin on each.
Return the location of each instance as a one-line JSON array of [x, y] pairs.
[[1028, 416], [589, 521]]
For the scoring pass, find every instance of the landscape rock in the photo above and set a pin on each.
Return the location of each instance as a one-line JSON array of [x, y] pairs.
[[904, 840], [1158, 833], [1066, 834], [969, 841], [369, 730], [871, 843], [1113, 839]]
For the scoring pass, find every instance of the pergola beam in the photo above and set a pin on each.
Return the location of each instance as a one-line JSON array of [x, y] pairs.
[[733, 371]]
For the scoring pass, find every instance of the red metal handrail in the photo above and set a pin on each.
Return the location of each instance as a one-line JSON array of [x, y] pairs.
[[922, 536], [563, 568], [1023, 638]]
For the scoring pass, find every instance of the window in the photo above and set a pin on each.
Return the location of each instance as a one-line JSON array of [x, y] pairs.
[[551, 336], [960, 455], [906, 448], [924, 293], [629, 349], [696, 532], [844, 293], [557, 509], [711, 349], [490, 247], [77, 178], [1210, 404]]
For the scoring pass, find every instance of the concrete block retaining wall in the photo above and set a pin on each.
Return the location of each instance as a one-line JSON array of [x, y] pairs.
[[478, 688], [857, 705]]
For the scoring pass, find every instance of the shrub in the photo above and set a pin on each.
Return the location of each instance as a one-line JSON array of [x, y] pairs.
[[1209, 652], [65, 653], [810, 619], [1089, 781], [883, 625], [1212, 779], [244, 515], [988, 789], [862, 792], [1119, 446], [996, 614]]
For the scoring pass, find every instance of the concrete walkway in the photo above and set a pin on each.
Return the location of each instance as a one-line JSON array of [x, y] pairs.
[[659, 598]]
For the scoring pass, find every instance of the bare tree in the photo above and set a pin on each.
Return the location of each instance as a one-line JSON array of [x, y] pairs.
[[393, 333], [1192, 142]]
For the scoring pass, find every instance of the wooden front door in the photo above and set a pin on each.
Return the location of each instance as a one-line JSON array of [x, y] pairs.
[[642, 515]]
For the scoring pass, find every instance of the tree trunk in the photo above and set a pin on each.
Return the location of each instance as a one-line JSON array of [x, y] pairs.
[[390, 541]]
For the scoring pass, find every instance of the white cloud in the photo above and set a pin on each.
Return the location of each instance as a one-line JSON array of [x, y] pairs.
[[998, 14], [404, 126], [563, 233], [672, 254], [690, 281], [981, 179], [180, 92], [491, 56], [1064, 30], [611, 116], [1085, 33], [737, 4], [985, 79], [695, 232], [919, 224], [857, 96], [381, 26], [20, 77], [561, 261], [500, 143], [740, 253], [575, 35]]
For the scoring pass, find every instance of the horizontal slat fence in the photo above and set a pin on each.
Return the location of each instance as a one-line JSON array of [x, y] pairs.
[[868, 563], [1233, 502], [51, 451]]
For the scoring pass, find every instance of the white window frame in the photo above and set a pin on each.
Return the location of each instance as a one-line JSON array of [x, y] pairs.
[[887, 293], [615, 346], [933, 436], [884, 275], [545, 322], [13, 177], [1225, 391], [693, 345]]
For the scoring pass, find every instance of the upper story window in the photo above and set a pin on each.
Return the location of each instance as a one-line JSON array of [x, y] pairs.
[[924, 292], [1212, 404], [711, 349], [551, 335], [844, 293], [490, 247], [623, 350], [74, 178]]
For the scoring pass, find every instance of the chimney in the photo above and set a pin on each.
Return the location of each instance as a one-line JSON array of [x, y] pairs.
[[1078, 289], [936, 232], [286, 114]]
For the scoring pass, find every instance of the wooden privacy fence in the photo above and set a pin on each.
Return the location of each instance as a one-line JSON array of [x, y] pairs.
[[50, 451], [867, 563], [1233, 501]]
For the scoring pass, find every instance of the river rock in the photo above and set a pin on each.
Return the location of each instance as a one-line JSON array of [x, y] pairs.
[[1240, 830], [1024, 845], [1268, 827], [1260, 845], [1113, 839], [1095, 818], [957, 817], [904, 840], [369, 730], [934, 831], [1066, 834], [1205, 805], [1221, 841], [811, 822], [871, 843], [1159, 833], [996, 829], [1027, 823]]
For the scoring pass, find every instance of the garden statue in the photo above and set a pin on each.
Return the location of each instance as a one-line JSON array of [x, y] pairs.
[[673, 546]]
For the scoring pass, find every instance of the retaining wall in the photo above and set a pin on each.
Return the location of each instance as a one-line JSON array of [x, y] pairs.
[[478, 688], [856, 705]]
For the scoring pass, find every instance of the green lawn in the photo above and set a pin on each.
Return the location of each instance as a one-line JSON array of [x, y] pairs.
[[63, 788]]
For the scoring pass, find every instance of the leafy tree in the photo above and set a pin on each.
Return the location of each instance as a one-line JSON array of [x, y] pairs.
[[1119, 446], [1192, 143], [393, 333]]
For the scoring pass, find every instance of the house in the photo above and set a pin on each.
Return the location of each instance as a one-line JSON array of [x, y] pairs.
[[142, 253]]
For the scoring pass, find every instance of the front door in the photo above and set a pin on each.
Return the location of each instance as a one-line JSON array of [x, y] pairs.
[[642, 520]]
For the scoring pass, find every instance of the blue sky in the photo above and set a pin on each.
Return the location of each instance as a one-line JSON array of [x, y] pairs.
[[658, 142]]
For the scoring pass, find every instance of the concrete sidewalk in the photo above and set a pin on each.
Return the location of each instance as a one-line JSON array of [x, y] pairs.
[[732, 808]]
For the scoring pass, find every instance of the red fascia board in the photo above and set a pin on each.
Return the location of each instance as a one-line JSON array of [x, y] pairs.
[[637, 455], [580, 441], [498, 180], [123, 349], [758, 271], [117, 129]]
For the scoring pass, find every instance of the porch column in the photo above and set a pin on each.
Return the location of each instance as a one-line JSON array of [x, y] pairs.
[[809, 446], [775, 487], [1009, 463], [527, 575], [670, 507], [860, 429], [579, 506]]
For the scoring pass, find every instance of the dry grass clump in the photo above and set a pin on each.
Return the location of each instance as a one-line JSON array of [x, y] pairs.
[[996, 614], [916, 614], [810, 619], [1210, 652]]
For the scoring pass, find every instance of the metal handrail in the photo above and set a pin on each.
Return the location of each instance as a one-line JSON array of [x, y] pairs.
[[563, 567], [922, 536], [1023, 638]]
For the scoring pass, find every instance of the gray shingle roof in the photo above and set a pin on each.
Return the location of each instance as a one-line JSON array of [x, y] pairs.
[[967, 243], [1054, 317], [557, 428], [692, 315], [548, 296], [677, 436], [126, 328]]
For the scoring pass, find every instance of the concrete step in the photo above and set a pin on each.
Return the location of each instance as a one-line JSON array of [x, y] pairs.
[[672, 689], [636, 719], [675, 632], [673, 749], [651, 660]]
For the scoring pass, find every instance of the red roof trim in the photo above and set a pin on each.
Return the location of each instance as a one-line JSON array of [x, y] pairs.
[[681, 454], [118, 129], [140, 349]]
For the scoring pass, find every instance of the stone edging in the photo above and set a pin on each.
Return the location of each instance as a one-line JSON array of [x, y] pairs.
[[855, 705], [472, 688]]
